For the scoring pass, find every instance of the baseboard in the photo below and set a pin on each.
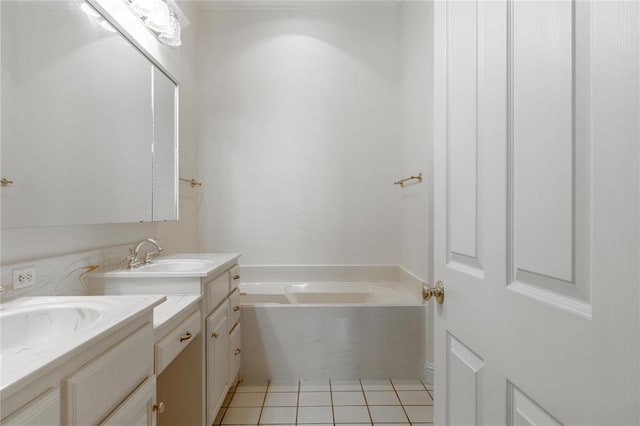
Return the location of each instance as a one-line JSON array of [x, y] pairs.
[[428, 373]]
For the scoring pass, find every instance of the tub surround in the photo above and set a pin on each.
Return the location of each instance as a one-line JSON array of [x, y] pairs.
[[293, 342], [297, 325], [370, 293], [269, 282]]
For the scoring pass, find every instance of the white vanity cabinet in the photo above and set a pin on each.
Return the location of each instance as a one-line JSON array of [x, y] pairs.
[[137, 410], [205, 342], [100, 375], [217, 359], [43, 411], [97, 389], [235, 336], [170, 346], [235, 352], [222, 338]]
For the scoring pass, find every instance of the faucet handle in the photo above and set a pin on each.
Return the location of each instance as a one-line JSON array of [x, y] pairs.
[[132, 259], [148, 257]]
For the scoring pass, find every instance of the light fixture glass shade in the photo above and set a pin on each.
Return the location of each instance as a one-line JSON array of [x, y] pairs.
[[144, 8], [158, 21], [90, 11], [173, 36]]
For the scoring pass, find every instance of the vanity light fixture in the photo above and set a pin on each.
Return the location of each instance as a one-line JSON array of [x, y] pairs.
[[144, 8], [172, 36], [158, 21], [160, 18], [96, 17]]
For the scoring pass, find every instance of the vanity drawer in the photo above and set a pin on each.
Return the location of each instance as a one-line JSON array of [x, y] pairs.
[[167, 349], [217, 290], [234, 308], [235, 352], [96, 389], [234, 274]]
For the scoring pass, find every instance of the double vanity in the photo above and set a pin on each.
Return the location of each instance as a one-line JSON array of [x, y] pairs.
[[155, 344]]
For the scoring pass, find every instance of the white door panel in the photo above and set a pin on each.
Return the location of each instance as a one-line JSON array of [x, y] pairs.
[[537, 239], [525, 412], [464, 372]]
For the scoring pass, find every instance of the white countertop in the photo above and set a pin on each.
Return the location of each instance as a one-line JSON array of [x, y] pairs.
[[214, 263], [23, 363], [165, 313]]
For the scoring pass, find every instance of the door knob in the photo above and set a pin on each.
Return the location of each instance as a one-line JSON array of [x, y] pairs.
[[159, 408], [437, 292]]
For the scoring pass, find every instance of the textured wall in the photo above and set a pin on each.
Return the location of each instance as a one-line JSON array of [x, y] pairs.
[[299, 133], [416, 204]]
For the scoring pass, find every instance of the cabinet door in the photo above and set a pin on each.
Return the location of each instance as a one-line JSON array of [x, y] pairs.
[[217, 359], [235, 352], [43, 411], [95, 390], [138, 409], [216, 291]]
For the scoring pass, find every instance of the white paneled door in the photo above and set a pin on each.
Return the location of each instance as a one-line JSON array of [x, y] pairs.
[[537, 212]]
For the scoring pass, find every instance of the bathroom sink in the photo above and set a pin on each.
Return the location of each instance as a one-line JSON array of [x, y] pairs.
[[175, 265], [39, 333], [185, 266], [23, 328]]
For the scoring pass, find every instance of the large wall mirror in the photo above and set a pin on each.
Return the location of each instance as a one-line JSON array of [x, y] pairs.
[[89, 128]]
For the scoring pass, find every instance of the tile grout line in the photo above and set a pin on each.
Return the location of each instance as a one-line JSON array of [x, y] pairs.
[[333, 411], [298, 401], [401, 403], [264, 400], [224, 413], [364, 395]]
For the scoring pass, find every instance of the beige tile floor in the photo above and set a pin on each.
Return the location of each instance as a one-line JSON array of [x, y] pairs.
[[335, 402]]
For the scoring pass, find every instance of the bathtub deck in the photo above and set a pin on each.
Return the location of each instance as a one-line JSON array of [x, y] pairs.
[[328, 402]]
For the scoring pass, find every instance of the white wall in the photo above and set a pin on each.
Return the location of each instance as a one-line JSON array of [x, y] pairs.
[[416, 203], [24, 244], [416, 149], [299, 132]]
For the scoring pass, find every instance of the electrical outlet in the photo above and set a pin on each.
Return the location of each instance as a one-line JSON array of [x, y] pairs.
[[25, 277]]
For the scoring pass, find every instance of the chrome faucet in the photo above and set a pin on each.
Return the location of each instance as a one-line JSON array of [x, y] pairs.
[[134, 260]]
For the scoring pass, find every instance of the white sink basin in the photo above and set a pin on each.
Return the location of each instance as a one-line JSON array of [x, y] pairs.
[[22, 328], [184, 266], [39, 333], [175, 265]]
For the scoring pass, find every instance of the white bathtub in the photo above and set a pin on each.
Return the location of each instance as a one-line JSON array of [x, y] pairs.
[[332, 330], [377, 293]]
